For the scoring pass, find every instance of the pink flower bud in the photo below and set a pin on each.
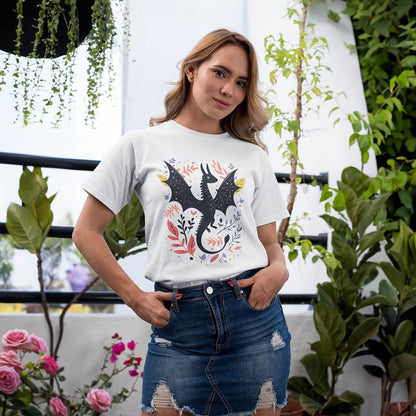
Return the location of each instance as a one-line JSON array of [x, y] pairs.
[[57, 408], [99, 400], [49, 364], [131, 345]]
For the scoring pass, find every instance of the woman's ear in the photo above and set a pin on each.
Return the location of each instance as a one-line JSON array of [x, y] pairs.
[[190, 72]]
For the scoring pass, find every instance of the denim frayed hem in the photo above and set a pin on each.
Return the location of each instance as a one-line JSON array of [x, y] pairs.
[[184, 409]]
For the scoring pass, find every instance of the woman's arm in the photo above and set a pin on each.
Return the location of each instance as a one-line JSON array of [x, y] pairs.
[[267, 282], [88, 237]]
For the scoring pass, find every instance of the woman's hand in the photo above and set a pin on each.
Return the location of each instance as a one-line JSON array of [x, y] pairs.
[[265, 285], [267, 282], [150, 307]]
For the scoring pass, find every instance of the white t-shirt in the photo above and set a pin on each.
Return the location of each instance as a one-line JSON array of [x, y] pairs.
[[203, 195]]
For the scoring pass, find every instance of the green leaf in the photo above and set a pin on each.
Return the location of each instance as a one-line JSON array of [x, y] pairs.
[[325, 351], [402, 366], [363, 332], [408, 61], [403, 335], [370, 239], [351, 397], [396, 277], [311, 406], [387, 290], [374, 370], [403, 251], [23, 228], [317, 372], [329, 324]]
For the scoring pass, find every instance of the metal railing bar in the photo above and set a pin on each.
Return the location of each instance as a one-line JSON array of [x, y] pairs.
[[47, 162], [109, 298], [66, 232], [89, 165]]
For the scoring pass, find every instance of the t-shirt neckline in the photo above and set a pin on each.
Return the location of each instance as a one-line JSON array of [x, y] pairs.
[[197, 134]]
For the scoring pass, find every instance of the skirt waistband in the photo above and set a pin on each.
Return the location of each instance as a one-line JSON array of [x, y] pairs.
[[200, 284]]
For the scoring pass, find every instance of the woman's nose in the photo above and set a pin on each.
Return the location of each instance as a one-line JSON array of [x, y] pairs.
[[227, 90]]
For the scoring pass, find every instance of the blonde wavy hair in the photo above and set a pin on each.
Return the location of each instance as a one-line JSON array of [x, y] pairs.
[[250, 117]]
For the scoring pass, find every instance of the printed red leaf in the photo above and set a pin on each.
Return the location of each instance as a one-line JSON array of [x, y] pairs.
[[214, 258], [176, 245], [173, 229], [181, 251], [191, 245], [238, 248], [172, 237]]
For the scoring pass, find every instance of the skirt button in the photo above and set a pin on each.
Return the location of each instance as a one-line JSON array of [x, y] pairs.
[[210, 290]]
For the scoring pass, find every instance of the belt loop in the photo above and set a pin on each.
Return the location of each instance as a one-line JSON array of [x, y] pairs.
[[175, 306], [236, 288]]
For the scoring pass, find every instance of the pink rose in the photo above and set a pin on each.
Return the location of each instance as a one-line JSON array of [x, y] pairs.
[[57, 407], [49, 364], [16, 339], [9, 358], [9, 379], [36, 344], [118, 348], [99, 400]]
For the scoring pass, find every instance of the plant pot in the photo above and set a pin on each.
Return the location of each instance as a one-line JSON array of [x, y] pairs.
[[399, 409], [292, 408], [8, 25]]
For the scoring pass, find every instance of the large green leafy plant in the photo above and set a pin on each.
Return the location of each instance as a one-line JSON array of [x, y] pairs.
[[29, 223], [394, 346], [342, 326]]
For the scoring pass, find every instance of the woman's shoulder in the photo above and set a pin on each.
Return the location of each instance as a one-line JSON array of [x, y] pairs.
[[147, 133]]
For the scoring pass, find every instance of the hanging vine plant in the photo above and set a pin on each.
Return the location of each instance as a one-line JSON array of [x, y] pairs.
[[41, 40]]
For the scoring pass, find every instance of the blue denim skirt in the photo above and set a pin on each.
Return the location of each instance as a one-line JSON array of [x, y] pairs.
[[217, 355]]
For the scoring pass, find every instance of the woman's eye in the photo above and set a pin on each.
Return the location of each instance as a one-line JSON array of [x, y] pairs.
[[219, 73], [242, 84]]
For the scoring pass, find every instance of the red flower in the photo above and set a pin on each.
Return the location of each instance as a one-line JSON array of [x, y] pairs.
[[128, 362], [133, 373], [131, 345]]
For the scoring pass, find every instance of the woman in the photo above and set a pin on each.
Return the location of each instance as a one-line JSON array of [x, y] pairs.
[[220, 345]]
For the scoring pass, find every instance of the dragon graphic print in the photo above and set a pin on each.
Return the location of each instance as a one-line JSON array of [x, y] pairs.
[[203, 211]]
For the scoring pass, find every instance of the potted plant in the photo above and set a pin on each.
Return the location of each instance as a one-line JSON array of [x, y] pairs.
[[395, 347], [40, 34], [340, 323]]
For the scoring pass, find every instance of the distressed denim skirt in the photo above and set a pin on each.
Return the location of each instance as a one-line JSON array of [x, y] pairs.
[[217, 355]]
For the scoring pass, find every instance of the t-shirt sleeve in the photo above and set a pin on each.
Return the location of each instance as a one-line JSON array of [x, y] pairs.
[[268, 202], [114, 179]]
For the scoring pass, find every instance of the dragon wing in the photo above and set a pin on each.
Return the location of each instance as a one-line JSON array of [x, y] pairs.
[[225, 193], [181, 191]]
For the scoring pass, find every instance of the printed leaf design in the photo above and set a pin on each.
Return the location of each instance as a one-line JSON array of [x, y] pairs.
[[240, 183], [214, 258], [191, 245], [163, 179], [170, 211], [173, 230], [219, 169], [214, 241], [188, 170]]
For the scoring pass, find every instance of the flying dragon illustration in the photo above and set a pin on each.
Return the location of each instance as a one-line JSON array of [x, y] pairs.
[[224, 198]]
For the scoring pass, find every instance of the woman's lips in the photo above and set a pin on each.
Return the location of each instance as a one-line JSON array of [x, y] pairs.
[[221, 104]]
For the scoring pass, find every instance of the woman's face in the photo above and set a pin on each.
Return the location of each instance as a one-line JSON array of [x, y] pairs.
[[218, 85]]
